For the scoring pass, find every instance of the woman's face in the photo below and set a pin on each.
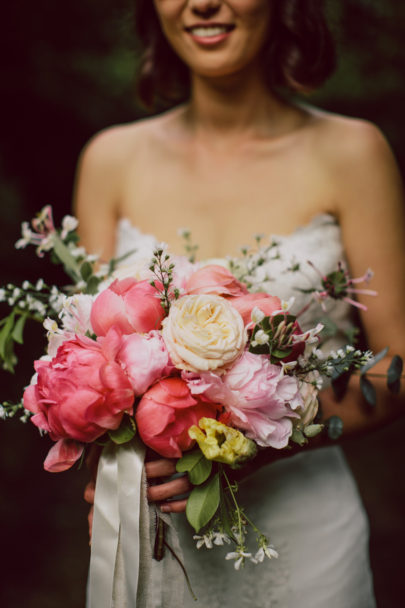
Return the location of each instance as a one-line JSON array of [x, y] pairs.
[[215, 38]]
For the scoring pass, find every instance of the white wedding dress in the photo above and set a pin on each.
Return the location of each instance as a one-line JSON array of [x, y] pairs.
[[308, 505]]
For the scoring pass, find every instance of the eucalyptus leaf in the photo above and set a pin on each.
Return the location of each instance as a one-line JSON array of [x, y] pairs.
[[378, 357], [92, 285], [368, 391], [18, 330], [394, 374], [86, 270], [335, 427], [203, 502]]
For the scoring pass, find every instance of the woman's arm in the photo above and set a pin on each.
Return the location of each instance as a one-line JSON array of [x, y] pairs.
[[96, 199]]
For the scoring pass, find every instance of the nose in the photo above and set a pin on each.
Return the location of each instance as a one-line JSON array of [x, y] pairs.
[[205, 8]]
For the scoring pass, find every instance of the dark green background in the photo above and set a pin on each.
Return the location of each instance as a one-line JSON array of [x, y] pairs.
[[67, 72]]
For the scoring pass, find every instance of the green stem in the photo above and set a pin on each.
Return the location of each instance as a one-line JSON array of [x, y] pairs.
[[235, 502], [65, 255]]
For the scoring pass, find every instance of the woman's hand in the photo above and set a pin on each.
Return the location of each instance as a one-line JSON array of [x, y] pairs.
[[161, 492]]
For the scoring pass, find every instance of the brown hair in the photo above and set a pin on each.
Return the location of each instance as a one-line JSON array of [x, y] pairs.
[[299, 55]]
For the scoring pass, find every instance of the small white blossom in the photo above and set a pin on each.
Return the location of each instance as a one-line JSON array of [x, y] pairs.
[[2, 295], [257, 315], [286, 306], [3, 413], [27, 235], [220, 538], [39, 284], [260, 338], [26, 285], [69, 223], [349, 348], [240, 556], [206, 540], [78, 252], [266, 551]]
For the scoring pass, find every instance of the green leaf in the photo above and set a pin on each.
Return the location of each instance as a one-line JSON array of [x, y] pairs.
[[374, 360], [281, 354], [125, 432], [335, 427], [196, 465], [200, 472], [394, 374], [203, 503], [18, 330], [5, 334], [86, 270], [368, 391]]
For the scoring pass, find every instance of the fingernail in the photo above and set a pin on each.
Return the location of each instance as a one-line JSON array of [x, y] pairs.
[[165, 508]]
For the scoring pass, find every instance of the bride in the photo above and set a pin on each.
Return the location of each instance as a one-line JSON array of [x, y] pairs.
[[233, 158]]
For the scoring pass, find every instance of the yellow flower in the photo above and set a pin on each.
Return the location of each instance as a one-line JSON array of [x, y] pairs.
[[222, 443]]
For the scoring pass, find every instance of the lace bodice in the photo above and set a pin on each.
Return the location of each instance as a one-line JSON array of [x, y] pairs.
[[319, 242]]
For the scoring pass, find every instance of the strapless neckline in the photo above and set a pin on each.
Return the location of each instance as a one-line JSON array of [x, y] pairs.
[[317, 220]]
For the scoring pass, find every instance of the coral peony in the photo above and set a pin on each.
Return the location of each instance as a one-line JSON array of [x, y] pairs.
[[166, 412], [263, 301], [129, 305], [215, 279], [79, 394]]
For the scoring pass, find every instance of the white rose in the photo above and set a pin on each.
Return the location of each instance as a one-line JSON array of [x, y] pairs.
[[203, 333]]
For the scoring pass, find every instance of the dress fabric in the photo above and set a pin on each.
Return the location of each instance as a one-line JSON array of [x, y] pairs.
[[308, 505]]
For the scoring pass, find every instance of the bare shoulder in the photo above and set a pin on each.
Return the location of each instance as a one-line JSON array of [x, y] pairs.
[[113, 146], [344, 140], [358, 159]]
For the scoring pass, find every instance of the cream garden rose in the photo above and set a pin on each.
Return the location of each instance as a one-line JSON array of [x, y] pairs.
[[204, 333]]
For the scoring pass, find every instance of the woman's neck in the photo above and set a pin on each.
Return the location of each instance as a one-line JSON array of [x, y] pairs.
[[236, 107]]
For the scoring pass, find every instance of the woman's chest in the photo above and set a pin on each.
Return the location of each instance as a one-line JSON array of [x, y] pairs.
[[224, 201]]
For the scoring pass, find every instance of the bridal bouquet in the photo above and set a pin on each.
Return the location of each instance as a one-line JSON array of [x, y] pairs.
[[194, 361]]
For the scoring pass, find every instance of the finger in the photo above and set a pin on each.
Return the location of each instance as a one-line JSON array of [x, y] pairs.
[[89, 492], [90, 520], [160, 468], [174, 506], [169, 489]]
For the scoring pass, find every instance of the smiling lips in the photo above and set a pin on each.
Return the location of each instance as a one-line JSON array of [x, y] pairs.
[[208, 34]]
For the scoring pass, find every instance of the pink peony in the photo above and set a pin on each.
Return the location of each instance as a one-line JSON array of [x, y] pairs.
[[129, 305], [258, 397], [80, 393], [144, 358], [216, 280], [166, 412], [244, 304]]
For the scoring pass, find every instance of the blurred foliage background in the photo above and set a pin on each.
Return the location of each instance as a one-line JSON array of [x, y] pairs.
[[67, 71]]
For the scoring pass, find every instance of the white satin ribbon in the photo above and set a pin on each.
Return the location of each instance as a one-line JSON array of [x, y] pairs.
[[116, 518]]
